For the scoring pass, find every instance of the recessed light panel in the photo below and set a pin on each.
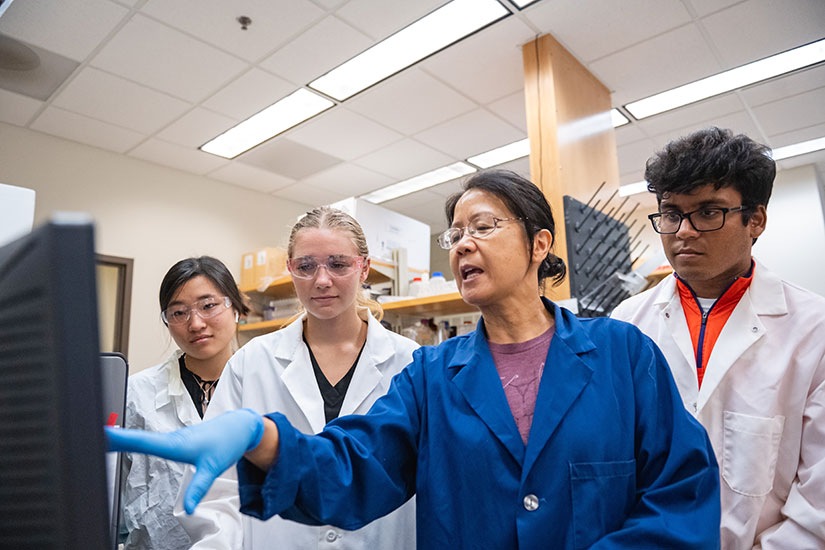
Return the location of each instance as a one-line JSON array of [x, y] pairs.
[[502, 154], [797, 149], [275, 119], [739, 77], [418, 183], [436, 31]]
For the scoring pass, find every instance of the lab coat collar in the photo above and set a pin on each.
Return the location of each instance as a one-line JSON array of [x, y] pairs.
[[175, 393], [478, 380], [299, 377]]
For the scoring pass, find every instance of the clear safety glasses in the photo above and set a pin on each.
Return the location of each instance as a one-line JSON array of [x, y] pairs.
[[478, 228], [206, 308], [306, 267]]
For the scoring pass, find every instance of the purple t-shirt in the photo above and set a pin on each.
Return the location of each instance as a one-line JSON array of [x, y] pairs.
[[519, 367]]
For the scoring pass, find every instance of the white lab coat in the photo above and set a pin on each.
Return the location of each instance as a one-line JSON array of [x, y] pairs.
[[762, 402], [271, 373], [156, 400]]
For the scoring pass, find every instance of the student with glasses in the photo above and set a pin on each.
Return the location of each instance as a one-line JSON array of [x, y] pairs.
[[746, 348], [537, 430], [200, 305], [335, 359]]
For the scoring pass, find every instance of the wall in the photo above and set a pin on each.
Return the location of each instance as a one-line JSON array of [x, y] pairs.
[[793, 244], [153, 214]]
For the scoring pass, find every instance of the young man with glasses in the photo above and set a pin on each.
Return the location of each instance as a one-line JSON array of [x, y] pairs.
[[746, 348]]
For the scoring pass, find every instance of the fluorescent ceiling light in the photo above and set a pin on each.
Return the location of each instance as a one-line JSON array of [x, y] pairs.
[[798, 149], [275, 119], [618, 118], [502, 154], [520, 4], [632, 188], [440, 175], [729, 80], [426, 36]]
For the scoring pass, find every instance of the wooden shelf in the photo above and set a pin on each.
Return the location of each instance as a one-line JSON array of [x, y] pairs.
[[430, 306], [282, 286]]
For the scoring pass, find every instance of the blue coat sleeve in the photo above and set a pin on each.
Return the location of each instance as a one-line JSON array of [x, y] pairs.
[[677, 502], [359, 468]]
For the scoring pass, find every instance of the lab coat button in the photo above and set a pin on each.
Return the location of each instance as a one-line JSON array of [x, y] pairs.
[[331, 536], [754, 329], [531, 503], [667, 314], [695, 408]]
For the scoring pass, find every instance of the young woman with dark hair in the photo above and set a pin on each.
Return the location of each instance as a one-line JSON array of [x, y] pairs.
[[200, 305]]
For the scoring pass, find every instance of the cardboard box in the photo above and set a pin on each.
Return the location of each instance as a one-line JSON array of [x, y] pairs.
[[248, 270], [270, 263]]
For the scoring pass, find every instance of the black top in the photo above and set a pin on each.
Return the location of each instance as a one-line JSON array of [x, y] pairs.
[[333, 395], [199, 390]]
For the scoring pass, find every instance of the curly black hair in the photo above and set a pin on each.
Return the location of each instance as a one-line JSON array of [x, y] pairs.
[[713, 156]]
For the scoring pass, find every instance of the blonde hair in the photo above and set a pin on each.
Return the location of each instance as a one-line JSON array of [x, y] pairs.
[[325, 217]]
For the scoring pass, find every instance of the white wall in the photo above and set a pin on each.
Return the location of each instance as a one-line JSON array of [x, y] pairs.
[[793, 244], [153, 214]]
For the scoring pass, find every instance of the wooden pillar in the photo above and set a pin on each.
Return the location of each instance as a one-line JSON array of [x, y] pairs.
[[572, 143]]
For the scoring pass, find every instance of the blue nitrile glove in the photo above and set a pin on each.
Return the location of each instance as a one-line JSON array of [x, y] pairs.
[[212, 446]]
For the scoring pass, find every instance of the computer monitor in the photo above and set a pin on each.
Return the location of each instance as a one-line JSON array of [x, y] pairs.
[[52, 468]]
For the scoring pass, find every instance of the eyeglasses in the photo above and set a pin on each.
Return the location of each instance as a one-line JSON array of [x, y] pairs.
[[479, 228], [702, 220], [306, 267], [206, 308]]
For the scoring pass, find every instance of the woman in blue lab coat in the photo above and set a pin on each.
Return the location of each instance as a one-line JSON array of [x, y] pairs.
[[536, 430]]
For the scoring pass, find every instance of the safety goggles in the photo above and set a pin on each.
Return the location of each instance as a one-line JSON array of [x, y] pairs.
[[306, 267], [206, 308]]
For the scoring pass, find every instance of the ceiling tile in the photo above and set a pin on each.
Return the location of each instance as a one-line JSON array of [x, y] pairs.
[[512, 109], [429, 213], [250, 177], [329, 4], [175, 156], [738, 123], [196, 128], [306, 194], [792, 84], [486, 66], [470, 134], [404, 159], [214, 22], [410, 102], [288, 158], [597, 28], [708, 109], [194, 71], [323, 47], [628, 134], [17, 109], [633, 176], [349, 179], [449, 188], [406, 202], [65, 124], [381, 18], [705, 7], [72, 29], [779, 26], [117, 101], [38, 82], [793, 112], [343, 134], [648, 68], [248, 94], [797, 136], [633, 156]]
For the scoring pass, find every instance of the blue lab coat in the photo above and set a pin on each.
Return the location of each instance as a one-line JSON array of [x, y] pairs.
[[613, 460]]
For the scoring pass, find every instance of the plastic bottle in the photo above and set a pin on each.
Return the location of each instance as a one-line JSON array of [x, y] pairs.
[[416, 286], [269, 311], [438, 284]]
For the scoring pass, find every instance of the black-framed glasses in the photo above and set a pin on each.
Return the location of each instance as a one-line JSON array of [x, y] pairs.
[[709, 218], [479, 228], [206, 308], [337, 265]]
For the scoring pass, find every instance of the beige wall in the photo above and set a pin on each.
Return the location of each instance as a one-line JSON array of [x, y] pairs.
[[150, 213]]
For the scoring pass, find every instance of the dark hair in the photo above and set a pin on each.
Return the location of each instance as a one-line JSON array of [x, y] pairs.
[[716, 157], [524, 200], [206, 266]]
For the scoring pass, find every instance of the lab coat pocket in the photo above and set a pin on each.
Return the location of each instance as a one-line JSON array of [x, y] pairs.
[[750, 450], [602, 494]]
